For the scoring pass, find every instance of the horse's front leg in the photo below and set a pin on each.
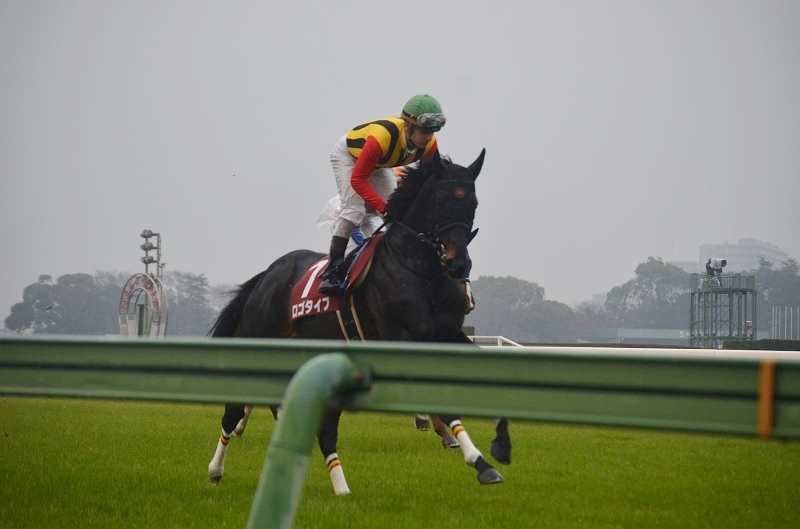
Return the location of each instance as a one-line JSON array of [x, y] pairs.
[[242, 424], [328, 436], [501, 444], [487, 474], [233, 414]]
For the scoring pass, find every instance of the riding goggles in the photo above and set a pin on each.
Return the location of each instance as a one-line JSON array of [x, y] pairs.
[[431, 121]]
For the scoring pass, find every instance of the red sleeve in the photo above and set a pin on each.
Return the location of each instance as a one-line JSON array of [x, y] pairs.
[[365, 164]]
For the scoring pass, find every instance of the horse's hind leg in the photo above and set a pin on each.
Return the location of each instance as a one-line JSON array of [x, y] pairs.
[[328, 437], [422, 422], [501, 444], [448, 441], [487, 474], [233, 414]]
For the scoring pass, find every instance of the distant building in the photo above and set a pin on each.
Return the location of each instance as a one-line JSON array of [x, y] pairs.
[[599, 299], [743, 256]]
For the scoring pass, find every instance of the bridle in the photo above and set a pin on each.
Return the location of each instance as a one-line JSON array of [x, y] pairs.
[[431, 238]]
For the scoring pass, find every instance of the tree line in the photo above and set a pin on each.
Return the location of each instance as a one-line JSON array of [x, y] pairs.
[[89, 304], [656, 297]]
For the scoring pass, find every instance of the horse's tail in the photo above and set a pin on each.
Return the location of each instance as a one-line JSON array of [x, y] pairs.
[[227, 323]]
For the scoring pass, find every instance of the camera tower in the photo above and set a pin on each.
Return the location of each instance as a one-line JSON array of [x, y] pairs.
[[723, 308]]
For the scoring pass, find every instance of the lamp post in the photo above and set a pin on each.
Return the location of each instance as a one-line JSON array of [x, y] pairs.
[[149, 247]]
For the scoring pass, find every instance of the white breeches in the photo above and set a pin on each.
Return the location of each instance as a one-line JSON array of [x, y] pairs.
[[354, 209]]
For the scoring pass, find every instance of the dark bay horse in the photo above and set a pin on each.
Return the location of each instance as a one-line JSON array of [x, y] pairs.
[[411, 293]]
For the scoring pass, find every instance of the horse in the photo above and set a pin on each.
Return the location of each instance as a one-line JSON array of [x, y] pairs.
[[422, 422], [410, 293]]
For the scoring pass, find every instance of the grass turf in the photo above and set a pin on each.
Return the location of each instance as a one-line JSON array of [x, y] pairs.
[[88, 463]]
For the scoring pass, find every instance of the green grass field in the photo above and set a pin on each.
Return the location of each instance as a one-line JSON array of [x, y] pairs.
[[102, 464]]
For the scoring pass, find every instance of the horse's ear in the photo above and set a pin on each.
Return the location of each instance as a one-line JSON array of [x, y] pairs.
[[475, 167]]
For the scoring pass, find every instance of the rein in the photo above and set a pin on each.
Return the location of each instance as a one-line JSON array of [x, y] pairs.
[[429, 240], [426, 241]]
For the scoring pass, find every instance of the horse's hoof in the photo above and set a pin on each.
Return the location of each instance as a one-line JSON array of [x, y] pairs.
[[490, 476], [215, 479], [450, 442], [423, 425], [487, 474], [501, 452]]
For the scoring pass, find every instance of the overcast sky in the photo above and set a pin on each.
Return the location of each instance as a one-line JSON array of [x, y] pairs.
[[615, 130]]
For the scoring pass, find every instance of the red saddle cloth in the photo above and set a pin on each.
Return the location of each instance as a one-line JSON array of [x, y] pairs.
[[306, 299]]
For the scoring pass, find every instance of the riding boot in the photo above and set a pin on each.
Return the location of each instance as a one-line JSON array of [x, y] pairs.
[[333, 275]]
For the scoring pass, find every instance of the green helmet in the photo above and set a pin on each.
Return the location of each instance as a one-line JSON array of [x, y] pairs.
[[424, 111]]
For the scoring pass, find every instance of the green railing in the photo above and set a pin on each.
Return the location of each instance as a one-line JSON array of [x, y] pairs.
[[688, 390]]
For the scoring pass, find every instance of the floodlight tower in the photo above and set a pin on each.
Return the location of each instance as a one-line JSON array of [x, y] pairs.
[[143, 307], [148, 247]]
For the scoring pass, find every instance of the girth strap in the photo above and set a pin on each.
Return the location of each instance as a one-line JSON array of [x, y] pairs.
[[348, 319]]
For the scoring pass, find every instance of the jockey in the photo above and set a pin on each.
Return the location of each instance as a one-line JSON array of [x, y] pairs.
[[362, 162]]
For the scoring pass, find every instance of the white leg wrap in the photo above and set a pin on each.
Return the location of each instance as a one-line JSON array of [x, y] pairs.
[[471, 453], [337, 475], [217, 465]]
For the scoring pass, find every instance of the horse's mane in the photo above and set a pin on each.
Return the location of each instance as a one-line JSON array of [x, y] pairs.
[[415, 179], [228, 320]]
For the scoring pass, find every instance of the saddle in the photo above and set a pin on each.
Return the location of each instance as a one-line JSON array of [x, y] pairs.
[[306, 299]]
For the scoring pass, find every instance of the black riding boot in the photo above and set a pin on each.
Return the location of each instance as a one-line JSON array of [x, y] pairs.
[[333, 275]]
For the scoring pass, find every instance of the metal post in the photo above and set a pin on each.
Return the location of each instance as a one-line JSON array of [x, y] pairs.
[[141, 319], [308, 395]]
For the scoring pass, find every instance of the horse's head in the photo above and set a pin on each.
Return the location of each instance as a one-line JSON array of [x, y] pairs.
[[442, 209]]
